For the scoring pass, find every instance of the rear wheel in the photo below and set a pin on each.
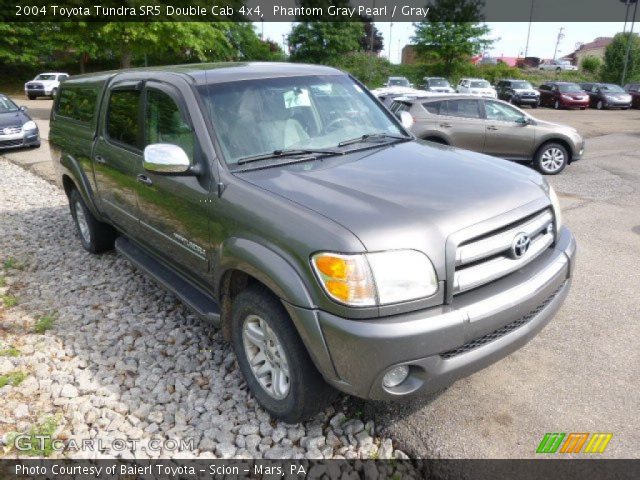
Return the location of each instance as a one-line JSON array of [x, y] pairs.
[[273, 359], [95, 236], [600, 105], [31, 97], [551, 158]]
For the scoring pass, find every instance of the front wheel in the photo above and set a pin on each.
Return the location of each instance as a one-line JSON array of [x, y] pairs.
[[31, 97], [551, 159], [54, 92], [600, 105], [273, 359], [95, 236], [556, 105]]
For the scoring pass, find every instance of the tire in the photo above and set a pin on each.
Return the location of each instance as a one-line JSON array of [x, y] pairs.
[[303, 392], [95, 236], [32, 97], [551, 158], [600, 105], [535, 105], [625, 108], [558, 69], [54, 92], [557, 105], [583, 108]]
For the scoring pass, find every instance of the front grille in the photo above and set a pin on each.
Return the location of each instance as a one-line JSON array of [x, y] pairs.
[[492, 256], [10, 130], [501, 332], [35, 86]]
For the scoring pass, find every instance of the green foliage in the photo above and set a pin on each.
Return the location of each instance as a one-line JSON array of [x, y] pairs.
[[41, 437], [11, 262], [9, 301], [614, 58], [45, 323], [319, 42], [3, 281], [9, 352], [452, 34], [14, 378], [370, 69], [591, 64]]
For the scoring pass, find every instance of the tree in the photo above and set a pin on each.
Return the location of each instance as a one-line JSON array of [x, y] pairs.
[[453, 33], [372, 39], [248, 46], [591, 64], [317, 42], [614, 58]]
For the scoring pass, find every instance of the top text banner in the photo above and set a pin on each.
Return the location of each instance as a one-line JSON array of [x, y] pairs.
[[317, 10]]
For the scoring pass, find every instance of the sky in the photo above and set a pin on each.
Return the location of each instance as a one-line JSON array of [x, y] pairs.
[[511, 38]]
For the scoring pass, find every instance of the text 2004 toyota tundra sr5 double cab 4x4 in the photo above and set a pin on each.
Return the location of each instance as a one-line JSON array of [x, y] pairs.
[[335, 250]]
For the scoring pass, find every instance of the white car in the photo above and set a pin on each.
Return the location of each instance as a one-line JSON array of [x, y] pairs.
[[558, 65], [476, 86], [44, 85]]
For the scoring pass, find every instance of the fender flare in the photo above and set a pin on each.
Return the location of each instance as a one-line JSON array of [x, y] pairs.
[[72, 169], [266, 266]]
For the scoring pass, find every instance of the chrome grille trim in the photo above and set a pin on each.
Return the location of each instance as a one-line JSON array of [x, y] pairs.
[[487, 259]]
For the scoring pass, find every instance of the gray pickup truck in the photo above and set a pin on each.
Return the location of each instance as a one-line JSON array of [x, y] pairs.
[[284, 203]]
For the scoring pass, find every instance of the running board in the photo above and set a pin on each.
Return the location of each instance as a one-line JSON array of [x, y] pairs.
[[200, 302]]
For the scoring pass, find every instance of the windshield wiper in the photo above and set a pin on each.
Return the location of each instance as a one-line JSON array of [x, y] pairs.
[[373, 137], [288, 153]]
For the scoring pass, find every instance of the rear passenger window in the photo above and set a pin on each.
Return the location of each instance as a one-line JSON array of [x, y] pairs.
[[461, 108], [432, 107], [165, 124], [122, 117], [77, 103]]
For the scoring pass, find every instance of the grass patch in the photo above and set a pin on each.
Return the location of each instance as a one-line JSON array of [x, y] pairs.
[[9, 352], [12, 263], [40, 438], [45, 323], [12, 378], [9, 301], [3, 281]]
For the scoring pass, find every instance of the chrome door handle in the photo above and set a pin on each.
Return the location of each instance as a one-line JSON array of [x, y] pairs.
[[445, 125], [99, 159], [492, 127], [144, 179]]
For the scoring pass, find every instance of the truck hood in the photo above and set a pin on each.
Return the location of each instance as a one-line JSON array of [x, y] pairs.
[[408, 195]]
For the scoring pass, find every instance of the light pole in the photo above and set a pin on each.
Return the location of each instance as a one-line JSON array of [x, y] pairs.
[[526, 48], [629, 41]]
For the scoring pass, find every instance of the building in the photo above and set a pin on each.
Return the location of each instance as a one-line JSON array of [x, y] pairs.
[[408, 55], [595, 49]]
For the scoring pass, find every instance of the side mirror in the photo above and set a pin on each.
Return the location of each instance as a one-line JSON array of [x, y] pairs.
[[23, 108], [165, 158], [523, 121], [406, 119]]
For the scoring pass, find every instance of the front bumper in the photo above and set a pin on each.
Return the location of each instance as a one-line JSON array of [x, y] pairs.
[[23, 139], [570, 103], [445, 343], [526, 100]]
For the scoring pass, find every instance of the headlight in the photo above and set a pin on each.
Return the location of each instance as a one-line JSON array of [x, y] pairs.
[[370, 279], [555, 203], [30, 125]]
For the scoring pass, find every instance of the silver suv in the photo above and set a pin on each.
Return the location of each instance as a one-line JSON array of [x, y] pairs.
[[493, 127]]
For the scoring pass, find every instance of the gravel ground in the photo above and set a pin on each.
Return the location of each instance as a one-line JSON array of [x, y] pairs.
[[123, 360]]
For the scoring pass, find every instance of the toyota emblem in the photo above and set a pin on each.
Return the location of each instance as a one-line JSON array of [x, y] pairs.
[[520, 245]]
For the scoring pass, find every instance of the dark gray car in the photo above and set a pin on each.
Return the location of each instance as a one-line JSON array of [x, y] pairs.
[[495, 128], [283, 203]]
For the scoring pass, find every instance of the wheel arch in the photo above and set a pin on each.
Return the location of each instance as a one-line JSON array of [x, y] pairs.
[[566, 144]]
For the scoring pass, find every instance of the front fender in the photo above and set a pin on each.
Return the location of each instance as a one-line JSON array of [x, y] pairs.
[[265, 265]]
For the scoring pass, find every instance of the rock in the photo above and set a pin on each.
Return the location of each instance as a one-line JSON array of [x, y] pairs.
[[69, 391], [225, 450], [21, 411], [248, 429], [351, 427]]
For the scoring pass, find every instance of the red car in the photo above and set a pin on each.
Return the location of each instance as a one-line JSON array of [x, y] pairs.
[[633, 89], [563, 95]]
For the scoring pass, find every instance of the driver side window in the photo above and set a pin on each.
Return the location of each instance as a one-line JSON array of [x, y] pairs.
[[501, 112], [164, 123]]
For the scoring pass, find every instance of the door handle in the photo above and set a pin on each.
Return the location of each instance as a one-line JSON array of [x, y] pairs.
[[492, 127], [144, 179], [445, 125], [100, 159]]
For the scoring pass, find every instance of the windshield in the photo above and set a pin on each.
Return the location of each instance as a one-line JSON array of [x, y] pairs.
[[6, 105], [440, 82], [569, 88], [258, 117], [45, 76], [563, 62], [521, 85], [609, 87], [398, 82], [480, 84]]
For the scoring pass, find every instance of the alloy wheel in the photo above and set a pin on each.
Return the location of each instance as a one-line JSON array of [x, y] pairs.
[[83, 225], [266, 357], [552, 159]]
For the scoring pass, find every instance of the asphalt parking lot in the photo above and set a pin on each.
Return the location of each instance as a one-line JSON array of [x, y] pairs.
[[580, 373]]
